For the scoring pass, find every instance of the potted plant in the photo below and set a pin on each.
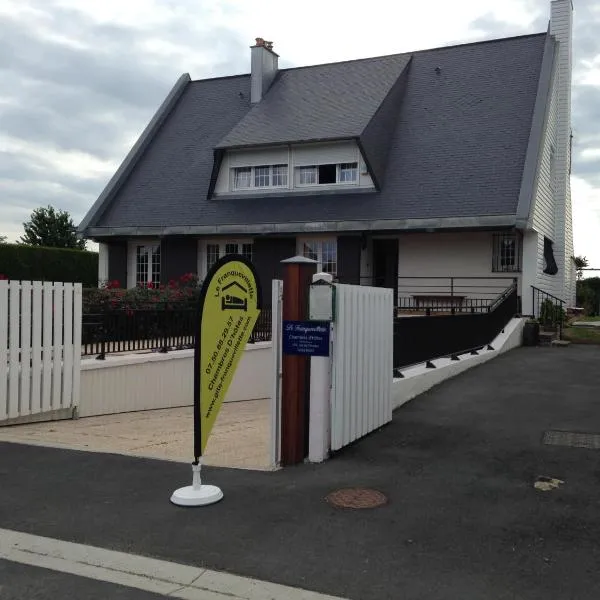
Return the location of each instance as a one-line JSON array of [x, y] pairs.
[[531, 332]]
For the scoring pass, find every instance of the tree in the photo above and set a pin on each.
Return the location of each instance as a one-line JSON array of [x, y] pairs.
[[581, 262], [2, 239], [51, 228]]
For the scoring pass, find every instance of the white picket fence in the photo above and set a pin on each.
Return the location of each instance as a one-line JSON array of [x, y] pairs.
[[40, 350], [361, 391]]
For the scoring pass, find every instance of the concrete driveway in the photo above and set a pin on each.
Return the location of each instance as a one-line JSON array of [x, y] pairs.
[[458, 465], [240, 438]]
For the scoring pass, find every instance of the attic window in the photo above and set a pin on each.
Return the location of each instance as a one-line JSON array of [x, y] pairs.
[[260, 177], [329, 174]]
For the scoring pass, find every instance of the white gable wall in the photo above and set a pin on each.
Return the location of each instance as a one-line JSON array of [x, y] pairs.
[[552, 211], [561, 26], [544, 212]]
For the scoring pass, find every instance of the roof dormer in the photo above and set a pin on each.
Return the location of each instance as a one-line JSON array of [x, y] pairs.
[[298, 168]]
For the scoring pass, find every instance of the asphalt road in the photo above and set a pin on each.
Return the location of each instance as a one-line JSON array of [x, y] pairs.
[[458, 465], [22, 582]]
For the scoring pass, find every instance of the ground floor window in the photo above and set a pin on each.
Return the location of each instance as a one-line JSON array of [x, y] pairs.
[[324, 251], [147, 265], [214, 250], [506, 255]]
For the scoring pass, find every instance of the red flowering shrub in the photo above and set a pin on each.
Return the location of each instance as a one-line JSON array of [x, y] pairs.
[[181, 293]]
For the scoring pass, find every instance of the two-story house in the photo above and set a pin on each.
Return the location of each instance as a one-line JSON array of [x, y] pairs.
[[453, 161]]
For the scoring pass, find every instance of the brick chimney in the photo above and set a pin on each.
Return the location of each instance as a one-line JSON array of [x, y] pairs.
[[264, 66]]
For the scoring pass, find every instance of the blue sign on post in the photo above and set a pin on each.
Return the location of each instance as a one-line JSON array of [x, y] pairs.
[[306, 338]]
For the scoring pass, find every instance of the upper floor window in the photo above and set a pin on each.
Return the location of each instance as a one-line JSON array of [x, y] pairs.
[[506, 255], [327, 174], [264, 176]]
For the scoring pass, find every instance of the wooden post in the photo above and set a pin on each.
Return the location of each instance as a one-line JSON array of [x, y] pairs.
[[297, 277]]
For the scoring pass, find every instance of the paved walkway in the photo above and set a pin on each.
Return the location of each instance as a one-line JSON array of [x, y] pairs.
[[240, 438], [458, 465]]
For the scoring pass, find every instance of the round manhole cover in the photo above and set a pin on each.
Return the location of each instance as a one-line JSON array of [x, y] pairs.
[[356, 498]]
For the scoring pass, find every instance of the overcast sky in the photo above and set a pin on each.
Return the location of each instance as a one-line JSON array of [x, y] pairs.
[[81, 78]]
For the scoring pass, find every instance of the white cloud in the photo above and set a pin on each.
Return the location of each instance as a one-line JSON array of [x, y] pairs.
[[50, 160], [589, 154]]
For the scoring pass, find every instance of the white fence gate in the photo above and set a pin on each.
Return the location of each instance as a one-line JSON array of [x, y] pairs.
[[40, 350], [361, 391], [275, 408]]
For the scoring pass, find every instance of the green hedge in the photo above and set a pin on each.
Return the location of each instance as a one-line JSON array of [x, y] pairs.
[[35, 263], [588, 295]]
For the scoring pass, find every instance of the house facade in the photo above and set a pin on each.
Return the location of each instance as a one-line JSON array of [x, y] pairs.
[[439, 173]]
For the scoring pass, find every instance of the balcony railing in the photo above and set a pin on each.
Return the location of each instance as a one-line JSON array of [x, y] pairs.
[[445, 295]]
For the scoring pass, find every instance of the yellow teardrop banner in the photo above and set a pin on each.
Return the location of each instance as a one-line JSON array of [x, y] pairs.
[[230, 303]]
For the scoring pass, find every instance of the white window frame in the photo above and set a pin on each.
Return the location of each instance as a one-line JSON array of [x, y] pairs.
[[308, 169], [507, 253], [338, 173], [149, 245], [353, 169], [234, 184], [285, 172], [253, 174], [222, 243], [301, 241]]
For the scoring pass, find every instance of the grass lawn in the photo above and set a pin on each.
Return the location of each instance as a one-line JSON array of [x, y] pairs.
[[588, 318], [582, 335]]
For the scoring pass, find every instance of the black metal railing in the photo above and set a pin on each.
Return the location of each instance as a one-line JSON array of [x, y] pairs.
[[548, 310], [423, 338], [263, 329], [444, 295], [110, 331]]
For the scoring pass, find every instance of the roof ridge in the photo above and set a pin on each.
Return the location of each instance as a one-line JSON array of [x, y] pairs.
[[240, 75], [411, 52], [382, 56]]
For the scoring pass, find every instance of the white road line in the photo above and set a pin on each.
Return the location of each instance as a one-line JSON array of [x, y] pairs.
[[149, 574]]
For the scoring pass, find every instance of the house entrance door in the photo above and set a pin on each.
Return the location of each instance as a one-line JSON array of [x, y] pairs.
[[385, 264]]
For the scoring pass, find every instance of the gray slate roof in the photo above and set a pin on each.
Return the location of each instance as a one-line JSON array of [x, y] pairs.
[[324, 102], [457, 148]]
